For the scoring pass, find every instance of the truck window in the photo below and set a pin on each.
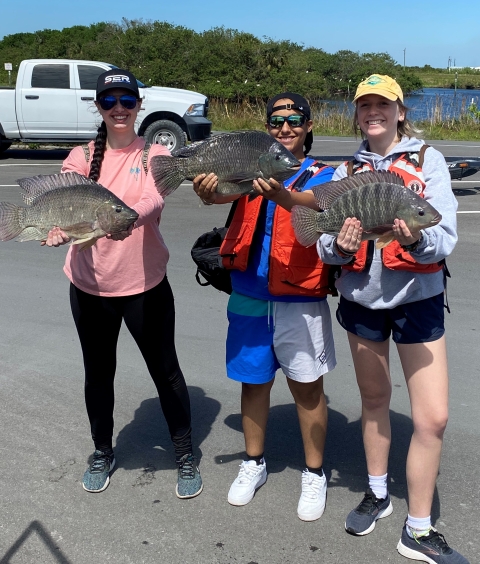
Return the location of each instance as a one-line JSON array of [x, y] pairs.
[[51, 76], [88, 75]]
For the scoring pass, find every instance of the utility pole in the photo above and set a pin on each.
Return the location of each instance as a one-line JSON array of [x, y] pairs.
[[404, 51]]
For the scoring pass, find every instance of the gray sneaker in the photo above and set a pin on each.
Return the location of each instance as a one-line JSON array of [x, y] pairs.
[[189, 482], [97, 476], [431, 548], [362, 519]]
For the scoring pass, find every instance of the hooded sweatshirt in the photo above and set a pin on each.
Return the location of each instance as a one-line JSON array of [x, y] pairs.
[[382, 288]]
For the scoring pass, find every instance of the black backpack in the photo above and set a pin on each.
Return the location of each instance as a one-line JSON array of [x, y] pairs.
[[206, 255]]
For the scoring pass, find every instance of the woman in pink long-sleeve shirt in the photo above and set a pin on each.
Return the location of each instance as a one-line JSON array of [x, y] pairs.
[[123, 277]]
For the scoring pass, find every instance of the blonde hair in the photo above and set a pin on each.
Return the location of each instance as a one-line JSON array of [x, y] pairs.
[[405, 127]]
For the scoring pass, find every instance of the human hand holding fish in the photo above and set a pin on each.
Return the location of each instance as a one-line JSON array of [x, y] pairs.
[[270, 190], [349, 239], [403, 234], [204, 186], [55, 238], [121, 235]]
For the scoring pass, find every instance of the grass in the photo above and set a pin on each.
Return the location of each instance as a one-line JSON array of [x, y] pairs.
[[469, 80], [337, 120]]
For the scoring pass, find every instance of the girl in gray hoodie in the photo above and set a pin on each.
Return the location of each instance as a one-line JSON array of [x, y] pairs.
[[397, 290]]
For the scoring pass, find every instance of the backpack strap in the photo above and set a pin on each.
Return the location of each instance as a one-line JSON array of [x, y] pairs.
[[146, 150], [145, 153], [350, 168], [421, 155], [86, 151]]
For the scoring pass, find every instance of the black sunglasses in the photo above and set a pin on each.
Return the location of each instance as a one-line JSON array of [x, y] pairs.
[[126, 100], [293, 121]]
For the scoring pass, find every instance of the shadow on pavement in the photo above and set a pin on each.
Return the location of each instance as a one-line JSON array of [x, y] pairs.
[[54, 154], [344, 464], [145, 442], [35, 527], [470, 191]]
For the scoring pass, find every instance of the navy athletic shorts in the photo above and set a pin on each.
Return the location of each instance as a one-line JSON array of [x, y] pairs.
[[416, 322]]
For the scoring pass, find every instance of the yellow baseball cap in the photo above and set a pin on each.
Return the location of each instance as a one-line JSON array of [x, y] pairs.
[[382, 85]]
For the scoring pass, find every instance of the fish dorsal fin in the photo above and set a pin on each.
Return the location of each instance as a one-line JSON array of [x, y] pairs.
[[190, 150], [325, 194], [35, 186], [231, 136]]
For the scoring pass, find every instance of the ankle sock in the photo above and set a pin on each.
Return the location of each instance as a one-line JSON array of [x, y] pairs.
[[418, 526], [378, 485], [317, 471], [258, 459]]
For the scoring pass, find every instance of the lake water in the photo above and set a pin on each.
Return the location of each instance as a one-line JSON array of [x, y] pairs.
[[449, 102], [428, 102]]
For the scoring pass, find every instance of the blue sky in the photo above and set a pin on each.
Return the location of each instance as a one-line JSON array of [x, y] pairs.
[[424, 32]]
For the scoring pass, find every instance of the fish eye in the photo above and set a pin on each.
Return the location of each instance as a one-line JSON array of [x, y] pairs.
[[421, 213], [118, 209], [277, 157]]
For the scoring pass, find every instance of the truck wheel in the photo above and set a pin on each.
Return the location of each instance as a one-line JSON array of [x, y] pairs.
[[4, 144], [167, 133]]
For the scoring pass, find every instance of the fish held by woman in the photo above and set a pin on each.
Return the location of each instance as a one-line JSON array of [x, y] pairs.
[[82, 208], [375, 198], [236, 158]]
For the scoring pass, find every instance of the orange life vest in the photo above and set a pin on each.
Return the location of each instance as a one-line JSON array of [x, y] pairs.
[[293, 269], [409, 167]]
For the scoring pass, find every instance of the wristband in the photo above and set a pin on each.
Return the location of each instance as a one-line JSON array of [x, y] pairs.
[[413, 246], [343, 253]]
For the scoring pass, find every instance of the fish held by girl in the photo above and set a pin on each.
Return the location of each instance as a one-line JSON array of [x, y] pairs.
[[236, 158], [375, 198], [82, 208]]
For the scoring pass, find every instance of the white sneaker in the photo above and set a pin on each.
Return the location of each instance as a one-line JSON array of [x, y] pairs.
[[311, 504], [250, 477]]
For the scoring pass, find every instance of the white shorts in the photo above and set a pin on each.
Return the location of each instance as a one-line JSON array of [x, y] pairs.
[[303, 339]]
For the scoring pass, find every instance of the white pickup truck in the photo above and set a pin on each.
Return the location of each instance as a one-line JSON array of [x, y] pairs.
[[53, 102]]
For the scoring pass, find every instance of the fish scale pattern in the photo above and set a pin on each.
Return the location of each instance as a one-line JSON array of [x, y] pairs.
[[235, 158], [374, 205], [84, 210]]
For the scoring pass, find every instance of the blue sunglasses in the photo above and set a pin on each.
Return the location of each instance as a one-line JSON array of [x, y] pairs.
[[126, 100]]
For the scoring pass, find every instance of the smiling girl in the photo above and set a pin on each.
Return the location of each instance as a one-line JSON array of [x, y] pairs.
[[123, 278], [398, 290]]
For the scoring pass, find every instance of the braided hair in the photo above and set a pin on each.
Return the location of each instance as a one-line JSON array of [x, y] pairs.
[[99, 152]]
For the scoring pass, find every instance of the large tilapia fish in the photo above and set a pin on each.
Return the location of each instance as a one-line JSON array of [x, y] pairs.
[[236, 158], [375, 198], [83, 209]]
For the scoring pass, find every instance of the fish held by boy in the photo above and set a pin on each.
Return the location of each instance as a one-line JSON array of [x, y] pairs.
[[82, 208], [236, 158], [374, 198]]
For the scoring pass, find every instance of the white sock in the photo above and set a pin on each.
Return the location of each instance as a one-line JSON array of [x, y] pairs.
[[378, 485], [418, 526]]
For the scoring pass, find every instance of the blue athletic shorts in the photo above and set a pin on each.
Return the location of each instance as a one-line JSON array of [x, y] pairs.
[[416, 322], [265, 336]]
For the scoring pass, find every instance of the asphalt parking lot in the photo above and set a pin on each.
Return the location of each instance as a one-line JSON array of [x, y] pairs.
[[46, 517]]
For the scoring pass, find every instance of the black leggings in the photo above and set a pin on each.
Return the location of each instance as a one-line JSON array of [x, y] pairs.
[[150, 318]]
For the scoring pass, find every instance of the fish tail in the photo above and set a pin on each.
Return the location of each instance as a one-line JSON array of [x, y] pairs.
[[166, 173], [304, 224], [10, 221]]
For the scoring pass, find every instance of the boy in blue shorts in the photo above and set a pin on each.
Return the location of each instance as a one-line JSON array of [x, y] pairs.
[[278, 314]]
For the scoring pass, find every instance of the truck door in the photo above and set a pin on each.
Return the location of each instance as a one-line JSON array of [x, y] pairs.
[[48, 104], [86, 84]]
